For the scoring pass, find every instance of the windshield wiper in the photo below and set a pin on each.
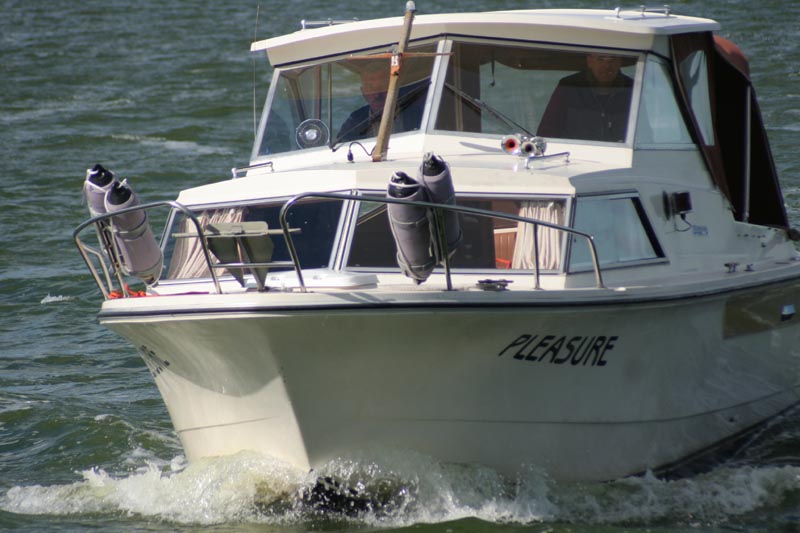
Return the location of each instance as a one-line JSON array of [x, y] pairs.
[[480, 104], [402, 103]]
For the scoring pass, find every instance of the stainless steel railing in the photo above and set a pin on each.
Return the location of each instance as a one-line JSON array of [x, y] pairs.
[[107, 259], [108, 272], [438, 218]]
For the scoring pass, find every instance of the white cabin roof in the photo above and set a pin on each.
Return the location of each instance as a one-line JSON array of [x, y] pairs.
[[635, 30], [486, 173]]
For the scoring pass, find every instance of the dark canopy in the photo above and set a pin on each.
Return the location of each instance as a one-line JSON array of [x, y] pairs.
[[739, 156]]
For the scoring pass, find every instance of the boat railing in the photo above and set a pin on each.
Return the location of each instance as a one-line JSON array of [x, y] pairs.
[[438, 210], [106, 266], [109, 273]]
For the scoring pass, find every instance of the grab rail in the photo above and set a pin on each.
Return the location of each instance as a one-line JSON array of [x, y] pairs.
[[104, 229], [439, 224]]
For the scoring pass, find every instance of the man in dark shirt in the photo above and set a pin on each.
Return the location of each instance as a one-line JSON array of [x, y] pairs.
[[365, 121], [592, 104]]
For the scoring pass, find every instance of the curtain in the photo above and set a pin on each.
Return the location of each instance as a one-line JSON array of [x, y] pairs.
[[549, 239], [188, 260]]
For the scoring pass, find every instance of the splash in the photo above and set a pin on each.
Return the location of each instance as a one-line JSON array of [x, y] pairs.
[[403, 489], [207, 492], [719, 497]]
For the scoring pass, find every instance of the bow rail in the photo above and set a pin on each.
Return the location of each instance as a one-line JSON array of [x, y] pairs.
[[105, 267]]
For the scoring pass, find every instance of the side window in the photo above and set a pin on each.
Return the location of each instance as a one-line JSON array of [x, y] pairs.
[[620, 230], [278, 137], [488, 243], [694, 71], [316, 222], [660, 118]]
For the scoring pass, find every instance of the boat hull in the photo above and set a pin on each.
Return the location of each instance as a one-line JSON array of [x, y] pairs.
[[586, 392]]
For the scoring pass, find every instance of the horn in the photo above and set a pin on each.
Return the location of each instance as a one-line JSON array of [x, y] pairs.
[[533, 147], [527, 147], [510, 144]]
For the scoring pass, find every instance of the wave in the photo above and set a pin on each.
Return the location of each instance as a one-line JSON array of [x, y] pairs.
[[177, 146], [402, 489], [51, 299]]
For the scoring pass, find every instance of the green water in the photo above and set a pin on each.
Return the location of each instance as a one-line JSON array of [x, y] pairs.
[[162, 92]]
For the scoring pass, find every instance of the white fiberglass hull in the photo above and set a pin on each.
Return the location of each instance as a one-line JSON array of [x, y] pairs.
[[587, 392]]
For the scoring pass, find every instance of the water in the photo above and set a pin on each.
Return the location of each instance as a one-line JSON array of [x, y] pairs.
[[161, 91]]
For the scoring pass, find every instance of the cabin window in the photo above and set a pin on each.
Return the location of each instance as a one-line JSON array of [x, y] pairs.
[[341, 101], [620, 229], [660, 118], [488, 243], [694, 72], [316, 222], [496, 89]]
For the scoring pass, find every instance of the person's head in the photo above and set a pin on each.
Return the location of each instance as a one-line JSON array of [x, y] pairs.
[[374, 84], [604, 69]]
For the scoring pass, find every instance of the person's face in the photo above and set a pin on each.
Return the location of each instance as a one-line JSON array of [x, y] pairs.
[[604, 68], [374, 85]]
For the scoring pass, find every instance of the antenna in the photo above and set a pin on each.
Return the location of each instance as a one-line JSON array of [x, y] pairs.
[[255, 38]]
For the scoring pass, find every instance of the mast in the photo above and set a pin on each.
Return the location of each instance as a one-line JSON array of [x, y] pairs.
[[387, 119]]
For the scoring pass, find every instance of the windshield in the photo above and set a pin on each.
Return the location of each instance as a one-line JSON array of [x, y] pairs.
[[341, 101], [489, 88], [501, 89]]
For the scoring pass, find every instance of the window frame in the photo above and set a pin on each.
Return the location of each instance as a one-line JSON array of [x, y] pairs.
[[647, 227]]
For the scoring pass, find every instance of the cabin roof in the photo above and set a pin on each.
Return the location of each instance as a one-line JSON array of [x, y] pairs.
[[634, 30]]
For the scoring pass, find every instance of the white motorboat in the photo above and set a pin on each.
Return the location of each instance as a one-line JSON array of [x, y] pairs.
[[566, 246]]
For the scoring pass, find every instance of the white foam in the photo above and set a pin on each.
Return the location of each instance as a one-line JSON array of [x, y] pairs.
[[252, 488], [206, 492], [707, 499]]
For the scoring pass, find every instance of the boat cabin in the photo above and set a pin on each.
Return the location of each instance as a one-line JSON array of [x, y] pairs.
[[639, 129]]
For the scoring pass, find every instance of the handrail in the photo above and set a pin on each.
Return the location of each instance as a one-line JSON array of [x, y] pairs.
[[439, 233], [308, 24], [103, 225]]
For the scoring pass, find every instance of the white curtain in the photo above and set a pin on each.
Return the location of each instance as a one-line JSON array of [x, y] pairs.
[[188, 260], [549, 239]]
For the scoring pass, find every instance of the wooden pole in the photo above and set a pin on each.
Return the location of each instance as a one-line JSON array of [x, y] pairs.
[[387, 119]]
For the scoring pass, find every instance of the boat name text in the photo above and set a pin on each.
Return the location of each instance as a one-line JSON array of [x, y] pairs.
[[559, 350]]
